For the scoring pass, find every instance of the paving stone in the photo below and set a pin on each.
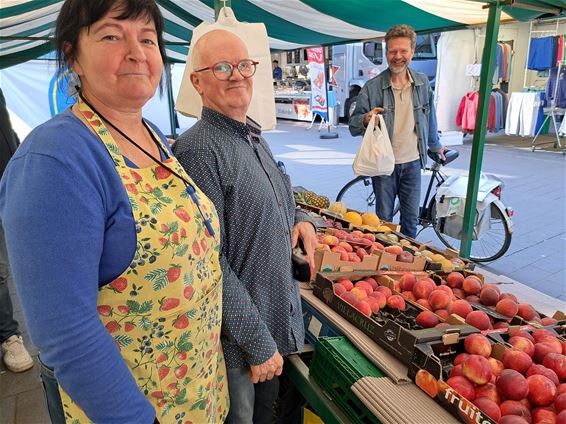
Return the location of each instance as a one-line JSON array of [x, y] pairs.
[[8, 410], [31, 408], [14, 383]]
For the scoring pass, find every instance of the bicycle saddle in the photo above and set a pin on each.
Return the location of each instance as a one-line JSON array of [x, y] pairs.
[[450, 155]]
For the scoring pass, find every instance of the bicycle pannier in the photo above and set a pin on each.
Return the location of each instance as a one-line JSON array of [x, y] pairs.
[[375, 155]]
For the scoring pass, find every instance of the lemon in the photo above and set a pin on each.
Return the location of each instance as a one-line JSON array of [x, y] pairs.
[[383, 229], [338, 207]]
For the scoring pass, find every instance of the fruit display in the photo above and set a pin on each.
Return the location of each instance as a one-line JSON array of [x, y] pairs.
[[381, 312], [312, 199], [481, 381]]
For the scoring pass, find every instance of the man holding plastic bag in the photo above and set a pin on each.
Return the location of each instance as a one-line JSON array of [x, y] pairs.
[[407, 120]]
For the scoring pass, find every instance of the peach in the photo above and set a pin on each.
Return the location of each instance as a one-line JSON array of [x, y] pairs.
[[459, 293], [522, 333], [348, 285], [463, 386], [371, 281], [339, 289], [513, 408], [359, 293], [439, 299], [476, 369], [364, 286], [427, 319], [471, 285], [424, 303], [330, 240], [346, 246], [543, 416], [344, 256], [363, 307], [352, 257], [409, 295], [377, 246], [350, 298], [321, 246], [380, 297], [542, 370], [542, 350], [361, 252], [396, 302], [517, 360], [478, 319], [455, 280], [557, 363], [427, 382], [460, 307], [501, 324], [523, 344], [357, 233], [488, 391], [507, 307], [442, 313], [473, 299], [446, 289], [561, 388], [539, 333], [512, 419], [460, 357], [526, 311], [488, 407], [385, 290], [541, 390], [496, 366], [548, 321], [553, 341], [394, 250], [508, 296], [369, 236], [456, 371], [560, 402], [512, 385], [489, 296], [407, 281], [478, 344], [373, 303], [338, 249], [423, 288], [561, 418]]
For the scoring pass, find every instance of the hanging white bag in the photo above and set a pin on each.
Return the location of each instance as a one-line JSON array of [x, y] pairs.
[[375, 155]]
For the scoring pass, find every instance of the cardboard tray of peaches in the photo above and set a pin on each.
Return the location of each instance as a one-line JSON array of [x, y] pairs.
[[482, 381], [382, 313]]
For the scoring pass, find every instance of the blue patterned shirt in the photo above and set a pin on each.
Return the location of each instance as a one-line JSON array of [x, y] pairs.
[[234, 166]]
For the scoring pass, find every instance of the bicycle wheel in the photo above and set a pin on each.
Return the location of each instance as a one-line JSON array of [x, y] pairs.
[[358, 194], [492, 244]]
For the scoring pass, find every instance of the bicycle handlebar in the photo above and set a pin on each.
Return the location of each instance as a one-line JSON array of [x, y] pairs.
[[450, 155]]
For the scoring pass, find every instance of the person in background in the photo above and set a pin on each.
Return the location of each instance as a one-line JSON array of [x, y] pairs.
[[15, 356], [405, 99], [114, 249], [232, 163], [277, 71]]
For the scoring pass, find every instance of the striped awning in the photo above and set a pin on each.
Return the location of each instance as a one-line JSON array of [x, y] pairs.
[[26, 26]]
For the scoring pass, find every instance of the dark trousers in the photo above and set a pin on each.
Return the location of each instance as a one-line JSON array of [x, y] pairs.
[[52, 395], [8, 325], [405, 183]]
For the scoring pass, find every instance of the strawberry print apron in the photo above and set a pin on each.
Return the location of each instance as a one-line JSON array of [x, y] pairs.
[[164, 312]]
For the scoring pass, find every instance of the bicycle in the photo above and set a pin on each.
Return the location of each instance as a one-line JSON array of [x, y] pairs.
[[491, 244]]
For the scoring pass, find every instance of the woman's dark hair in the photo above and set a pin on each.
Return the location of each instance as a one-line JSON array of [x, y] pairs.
[[78, 14]]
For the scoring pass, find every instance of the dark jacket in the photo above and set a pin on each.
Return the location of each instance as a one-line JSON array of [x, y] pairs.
[[8, 139]]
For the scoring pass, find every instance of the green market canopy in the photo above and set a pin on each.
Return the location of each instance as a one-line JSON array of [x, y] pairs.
[[26, 26]]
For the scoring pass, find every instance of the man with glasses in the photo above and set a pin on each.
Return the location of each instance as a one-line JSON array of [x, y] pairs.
[[229, 160]]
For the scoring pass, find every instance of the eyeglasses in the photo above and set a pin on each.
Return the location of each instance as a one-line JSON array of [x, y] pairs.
[[224, 70]]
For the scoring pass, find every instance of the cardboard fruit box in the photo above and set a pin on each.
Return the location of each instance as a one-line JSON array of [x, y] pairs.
[[394, 330], [390, 262], [429, 368], [325, 261]]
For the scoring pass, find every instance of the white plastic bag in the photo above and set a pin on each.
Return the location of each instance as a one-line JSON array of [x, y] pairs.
[[254, 35], [375, 155]]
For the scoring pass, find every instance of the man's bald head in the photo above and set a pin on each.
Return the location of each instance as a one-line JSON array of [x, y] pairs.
[[231, 96], [209, 43]]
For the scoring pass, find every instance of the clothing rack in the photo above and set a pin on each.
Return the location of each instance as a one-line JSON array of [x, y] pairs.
[[531, 32], [551, 113]]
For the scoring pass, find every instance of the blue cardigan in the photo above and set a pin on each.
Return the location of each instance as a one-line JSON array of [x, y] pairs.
[[69, 230]]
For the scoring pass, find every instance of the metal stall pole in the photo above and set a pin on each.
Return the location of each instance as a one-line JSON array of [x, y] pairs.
[[487, 69]]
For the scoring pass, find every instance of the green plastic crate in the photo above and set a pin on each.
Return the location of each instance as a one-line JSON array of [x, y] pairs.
[[336, 365]]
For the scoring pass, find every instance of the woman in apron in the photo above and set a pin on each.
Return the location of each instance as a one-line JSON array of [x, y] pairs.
[[114, 250]]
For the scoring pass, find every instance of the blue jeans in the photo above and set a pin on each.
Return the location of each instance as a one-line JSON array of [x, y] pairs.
[[52, 395], [255, 403], [8, 325], [405, 183]]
